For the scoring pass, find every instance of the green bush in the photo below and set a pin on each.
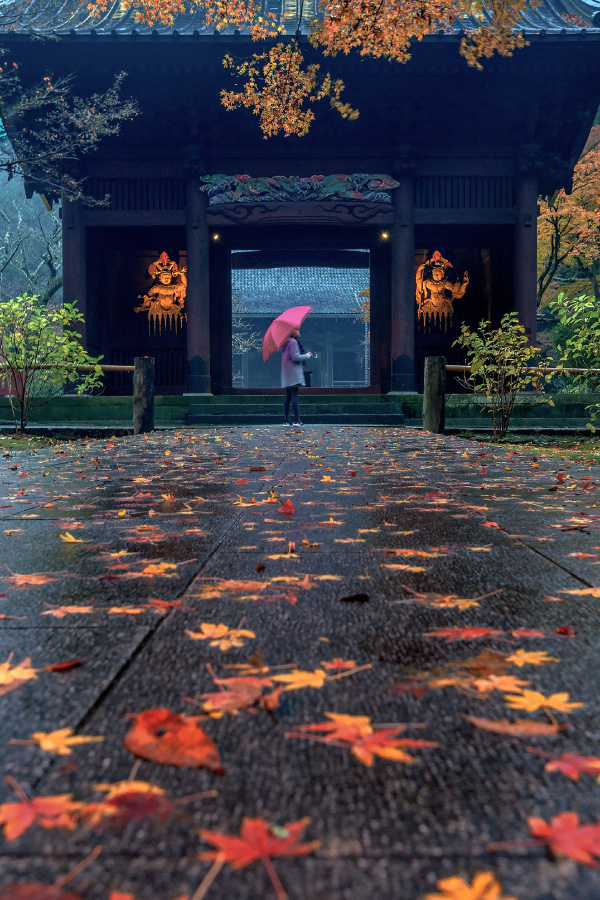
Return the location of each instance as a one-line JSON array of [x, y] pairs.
[[40, 355], [500, 361]]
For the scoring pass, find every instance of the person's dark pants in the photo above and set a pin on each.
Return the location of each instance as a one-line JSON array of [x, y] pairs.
[[291, 396]]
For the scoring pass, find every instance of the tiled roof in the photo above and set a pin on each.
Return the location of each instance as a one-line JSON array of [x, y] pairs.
[[45, 16], [270, 291]]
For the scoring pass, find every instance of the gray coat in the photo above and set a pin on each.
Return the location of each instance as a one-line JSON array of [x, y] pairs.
[[292, 370]]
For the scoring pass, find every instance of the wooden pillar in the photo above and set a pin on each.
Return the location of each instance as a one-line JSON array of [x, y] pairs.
[[403, 287], [143, 394], [434, 395], [198, 294], [74, 262], [526, 253]]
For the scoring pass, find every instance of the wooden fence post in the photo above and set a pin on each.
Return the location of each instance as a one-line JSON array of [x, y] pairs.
[[434, 395], [143, 394]]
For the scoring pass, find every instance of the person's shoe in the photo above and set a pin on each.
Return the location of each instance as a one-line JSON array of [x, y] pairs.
[[298, 423], [286, 423]]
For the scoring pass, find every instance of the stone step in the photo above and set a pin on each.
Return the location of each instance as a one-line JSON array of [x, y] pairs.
[[315, 418], [341, 409]]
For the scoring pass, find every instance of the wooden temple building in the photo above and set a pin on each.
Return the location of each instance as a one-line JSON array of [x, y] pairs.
[[442, 174]]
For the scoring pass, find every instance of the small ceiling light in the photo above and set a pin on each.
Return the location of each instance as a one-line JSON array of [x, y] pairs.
[[384, 235], [216, 236]]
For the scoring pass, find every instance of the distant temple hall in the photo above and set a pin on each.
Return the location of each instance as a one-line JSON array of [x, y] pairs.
[[396, 228]]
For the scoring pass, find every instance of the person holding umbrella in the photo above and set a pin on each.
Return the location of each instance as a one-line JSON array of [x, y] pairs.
[[292, 375], [284, 334]]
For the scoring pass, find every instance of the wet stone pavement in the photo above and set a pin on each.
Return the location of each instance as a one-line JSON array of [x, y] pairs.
[[341, 554]]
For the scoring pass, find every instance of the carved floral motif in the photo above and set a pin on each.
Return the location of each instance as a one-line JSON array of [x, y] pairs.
[[246, 189]]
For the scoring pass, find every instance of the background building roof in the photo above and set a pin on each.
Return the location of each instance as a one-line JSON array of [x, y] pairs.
[[270, 291]]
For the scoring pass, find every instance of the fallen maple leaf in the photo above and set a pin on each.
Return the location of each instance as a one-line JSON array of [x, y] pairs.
[[518, 728], [68, 538], [566, 837], [236, 693], [531, 701], [385, 744], [530, 658], [400, 567], [259, 840], [12, 677], [220, 635], [58, 811], [287, 508], [338, 665], [483, 887], [128, 801], [172, 739], [19, 581], [571, 765], [500, 683], [298, 679], [35, 890], [462, 634], [59, 612], [61, 741]]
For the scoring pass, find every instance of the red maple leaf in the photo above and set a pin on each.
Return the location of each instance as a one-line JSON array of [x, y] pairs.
[[287, 508], [462, 634], [259, 839], [34, 890], [566, 837], [570, 764]]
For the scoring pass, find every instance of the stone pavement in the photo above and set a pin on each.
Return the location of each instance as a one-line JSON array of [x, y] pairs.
[[391, 533]]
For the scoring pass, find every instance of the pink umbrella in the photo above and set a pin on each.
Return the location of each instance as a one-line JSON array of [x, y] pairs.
[[281, 328]]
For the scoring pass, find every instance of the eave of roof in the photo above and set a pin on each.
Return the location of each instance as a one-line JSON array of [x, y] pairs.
[[71, 19]]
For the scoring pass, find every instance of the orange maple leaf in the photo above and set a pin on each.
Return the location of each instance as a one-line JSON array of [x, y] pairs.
[[35, 890], [462, 634], [531, 701], [172, 739], [13, 676], [338, 664], [235, 694], [483, 887], [58, 811]]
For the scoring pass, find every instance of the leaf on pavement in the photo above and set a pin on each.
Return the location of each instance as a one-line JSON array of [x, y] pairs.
[[61, 741], [63, 666], [59, 612], [361, 737], [484, 886], [462, 634], [565, 836], [530, 658], [236, 693], [172, 739], [259, 840], [518, 728], [68, 538], [509, 683], [572, 765], [19, 581], [58, 811], [338, 664], [35, 890], [531, 701], [221, 635], [298, 679], [12, 677], [128, 801]]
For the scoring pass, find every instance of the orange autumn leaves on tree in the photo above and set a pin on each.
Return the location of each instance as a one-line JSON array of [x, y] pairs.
[[282, 88], [569, 227]]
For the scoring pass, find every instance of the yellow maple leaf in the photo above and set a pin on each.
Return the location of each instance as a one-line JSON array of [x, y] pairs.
[[533, 700], [297, 679], [68, 538], [530, 658], [61, 741], [221, 635], [125, 787], [12, 676], [509, 683], [59, 612], [483, 887], [400, 567], [126, 610]]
